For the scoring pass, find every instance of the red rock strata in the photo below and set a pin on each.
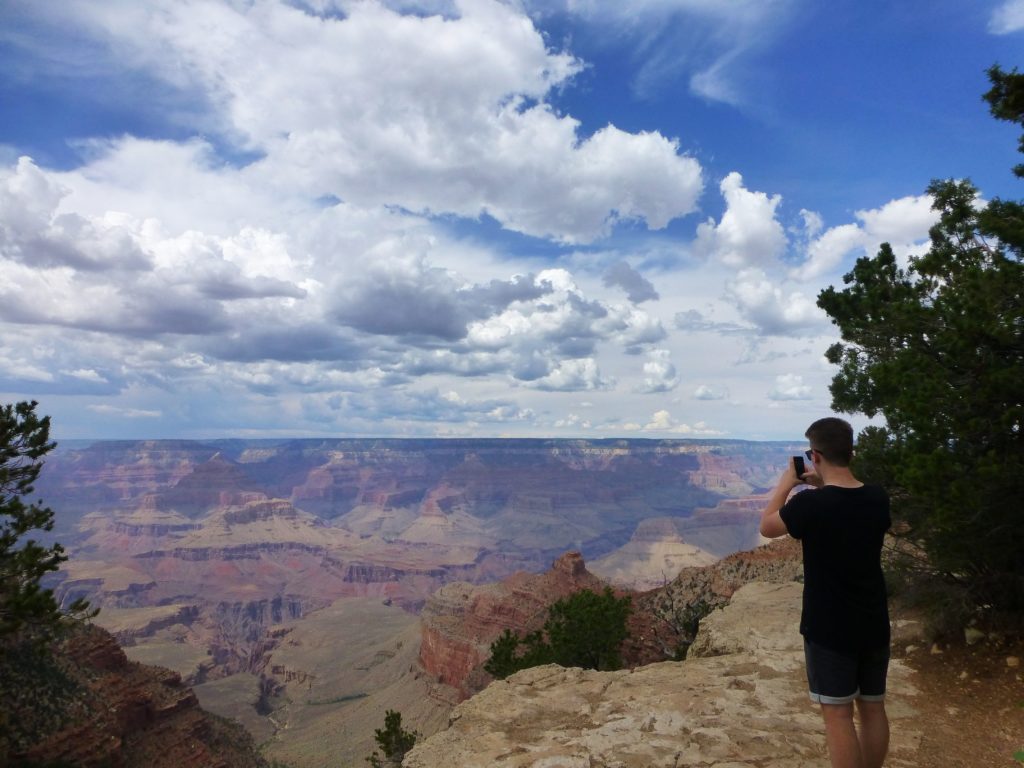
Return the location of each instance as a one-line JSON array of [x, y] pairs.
[[135, 715], [460, 621]]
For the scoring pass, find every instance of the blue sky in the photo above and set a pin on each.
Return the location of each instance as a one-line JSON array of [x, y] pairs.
[[574, 218]]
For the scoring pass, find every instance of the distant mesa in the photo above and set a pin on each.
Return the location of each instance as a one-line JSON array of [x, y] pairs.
[[215, 482], [655, 554], [257, 509]]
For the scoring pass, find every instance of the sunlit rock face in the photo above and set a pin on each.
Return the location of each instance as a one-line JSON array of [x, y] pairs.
[[656, 552]]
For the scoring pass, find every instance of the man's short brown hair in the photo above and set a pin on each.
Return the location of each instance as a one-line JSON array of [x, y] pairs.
[[833, 438]]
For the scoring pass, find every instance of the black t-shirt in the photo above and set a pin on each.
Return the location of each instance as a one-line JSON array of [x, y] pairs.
[[841, 530]]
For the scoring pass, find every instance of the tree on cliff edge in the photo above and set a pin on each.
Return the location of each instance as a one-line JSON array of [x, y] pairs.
[[27, 611], [937, 349]]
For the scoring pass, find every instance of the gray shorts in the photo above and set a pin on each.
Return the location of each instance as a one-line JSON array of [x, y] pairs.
[[839, 677]]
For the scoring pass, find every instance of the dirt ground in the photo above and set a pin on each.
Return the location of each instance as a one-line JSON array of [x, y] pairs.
[[971, 704]]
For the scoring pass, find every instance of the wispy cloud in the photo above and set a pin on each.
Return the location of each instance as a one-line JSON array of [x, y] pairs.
[[704, 42], [1008, 17], [127, 413]]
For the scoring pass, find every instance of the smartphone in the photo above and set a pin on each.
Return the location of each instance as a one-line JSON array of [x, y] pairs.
[[798, 465]]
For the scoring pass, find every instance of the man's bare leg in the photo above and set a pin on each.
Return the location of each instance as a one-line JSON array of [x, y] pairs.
[[841, 736], [873, 732]]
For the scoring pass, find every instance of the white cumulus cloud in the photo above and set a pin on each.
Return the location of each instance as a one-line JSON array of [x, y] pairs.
[[790, 386], [903, 223], [574, 376], [771, 308], [706, 392], [748, 233], [659, 372], [435, 114], [663, 421]]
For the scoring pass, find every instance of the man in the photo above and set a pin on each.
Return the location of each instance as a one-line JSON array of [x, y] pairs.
[[841, 523]]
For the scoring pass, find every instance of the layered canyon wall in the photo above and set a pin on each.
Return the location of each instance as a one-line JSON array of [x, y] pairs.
[[208, 557]]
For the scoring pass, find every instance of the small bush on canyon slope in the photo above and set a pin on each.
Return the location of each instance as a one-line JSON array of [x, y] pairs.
[[583, 630], [394, 741]]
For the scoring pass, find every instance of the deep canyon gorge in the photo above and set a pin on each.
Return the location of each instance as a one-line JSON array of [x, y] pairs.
[[301, 587]]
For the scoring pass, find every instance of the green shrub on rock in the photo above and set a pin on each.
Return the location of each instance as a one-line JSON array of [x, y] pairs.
[[585, 630]]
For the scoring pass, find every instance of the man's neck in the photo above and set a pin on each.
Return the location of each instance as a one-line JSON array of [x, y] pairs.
[[838, 476]]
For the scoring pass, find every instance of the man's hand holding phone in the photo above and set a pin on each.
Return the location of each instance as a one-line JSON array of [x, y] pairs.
[[804, 475]]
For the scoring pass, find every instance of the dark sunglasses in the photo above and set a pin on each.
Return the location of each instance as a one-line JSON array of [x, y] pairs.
[[809, 453]]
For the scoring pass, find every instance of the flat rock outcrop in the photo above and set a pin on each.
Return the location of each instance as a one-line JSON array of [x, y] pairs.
[[738, 701]]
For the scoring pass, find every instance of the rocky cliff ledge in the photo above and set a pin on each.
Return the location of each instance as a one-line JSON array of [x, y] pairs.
[[738, 701], [460, 621], [106, 711]]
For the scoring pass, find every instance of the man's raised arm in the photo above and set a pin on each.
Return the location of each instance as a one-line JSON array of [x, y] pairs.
[[772, 525]]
